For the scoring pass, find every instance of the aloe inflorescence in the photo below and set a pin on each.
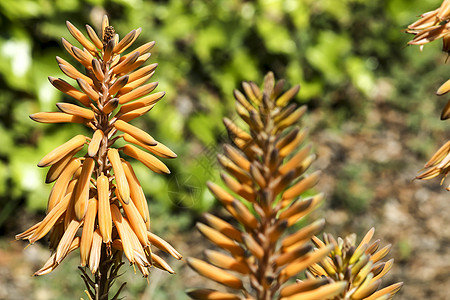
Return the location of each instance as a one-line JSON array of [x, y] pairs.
[[265, 173], [97, 204]]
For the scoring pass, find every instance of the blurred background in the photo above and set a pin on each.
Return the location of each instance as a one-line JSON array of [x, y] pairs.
[[373, 119]]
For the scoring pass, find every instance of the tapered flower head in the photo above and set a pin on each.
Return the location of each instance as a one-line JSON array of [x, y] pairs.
[[265, 173]]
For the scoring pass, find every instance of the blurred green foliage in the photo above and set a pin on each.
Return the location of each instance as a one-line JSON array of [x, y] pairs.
[[346, 54], [349, 56], [351, 191]]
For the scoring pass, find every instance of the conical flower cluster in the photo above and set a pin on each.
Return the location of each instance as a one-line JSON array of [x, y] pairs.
[[435, 25], [361, 266], [97, 204], [265, 174]]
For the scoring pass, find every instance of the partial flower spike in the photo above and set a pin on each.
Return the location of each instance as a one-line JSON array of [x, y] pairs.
[[431, 26], [265, 174], [361, 266], [434, 25], [97, 203]]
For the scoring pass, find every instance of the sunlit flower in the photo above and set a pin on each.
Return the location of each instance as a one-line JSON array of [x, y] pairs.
[[97, 204]]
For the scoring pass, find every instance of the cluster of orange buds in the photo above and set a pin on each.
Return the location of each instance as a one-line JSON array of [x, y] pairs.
[[361, 266], [97, 203]]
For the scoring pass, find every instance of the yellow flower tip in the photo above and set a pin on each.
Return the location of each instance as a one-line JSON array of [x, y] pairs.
[[444, 88]]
